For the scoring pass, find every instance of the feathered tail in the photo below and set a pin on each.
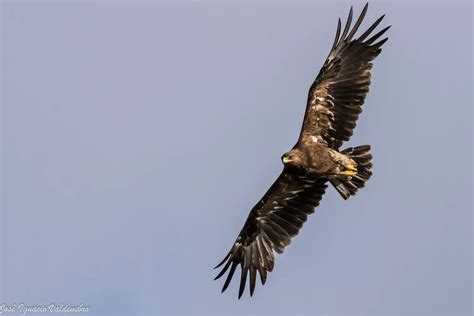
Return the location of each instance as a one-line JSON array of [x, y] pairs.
[[362, 156]]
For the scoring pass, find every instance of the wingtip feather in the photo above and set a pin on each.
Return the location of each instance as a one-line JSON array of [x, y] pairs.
[[229, 276], [243, 281], [224, 260], [370, 29], [223, 270], [358, 22], [348, 25]]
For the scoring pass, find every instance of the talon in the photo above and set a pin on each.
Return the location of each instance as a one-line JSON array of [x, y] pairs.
[[352, 168], [349, 173]]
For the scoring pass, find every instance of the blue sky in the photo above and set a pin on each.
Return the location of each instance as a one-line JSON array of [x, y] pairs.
[[136, 136]]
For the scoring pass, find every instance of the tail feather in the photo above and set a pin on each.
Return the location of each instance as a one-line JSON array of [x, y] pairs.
[[362, 156]]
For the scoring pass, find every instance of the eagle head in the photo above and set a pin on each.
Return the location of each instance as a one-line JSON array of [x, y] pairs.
[[293, 158]]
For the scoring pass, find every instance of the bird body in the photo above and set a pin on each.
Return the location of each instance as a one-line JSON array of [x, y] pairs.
[[335, 101], [317, 159]]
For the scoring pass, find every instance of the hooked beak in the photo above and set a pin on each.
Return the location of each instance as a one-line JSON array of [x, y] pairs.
[[286, 160]]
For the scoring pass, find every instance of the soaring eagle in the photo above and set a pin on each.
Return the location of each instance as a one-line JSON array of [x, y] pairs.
[[334, 103]]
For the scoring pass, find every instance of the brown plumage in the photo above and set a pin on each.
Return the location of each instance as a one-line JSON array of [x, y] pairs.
[[334, 103]]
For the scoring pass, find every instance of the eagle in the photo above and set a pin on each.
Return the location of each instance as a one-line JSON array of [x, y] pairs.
[[334, 103]]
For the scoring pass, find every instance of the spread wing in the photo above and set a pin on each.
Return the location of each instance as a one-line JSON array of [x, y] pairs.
[[336, 96], [271, 224]]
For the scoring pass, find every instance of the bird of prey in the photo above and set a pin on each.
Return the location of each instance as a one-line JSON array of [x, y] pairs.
[[334, 103]]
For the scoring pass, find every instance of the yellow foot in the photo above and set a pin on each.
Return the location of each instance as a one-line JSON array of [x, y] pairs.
[[350, 171]]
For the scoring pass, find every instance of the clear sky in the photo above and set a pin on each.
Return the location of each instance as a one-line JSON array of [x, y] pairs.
[[136, 136]]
